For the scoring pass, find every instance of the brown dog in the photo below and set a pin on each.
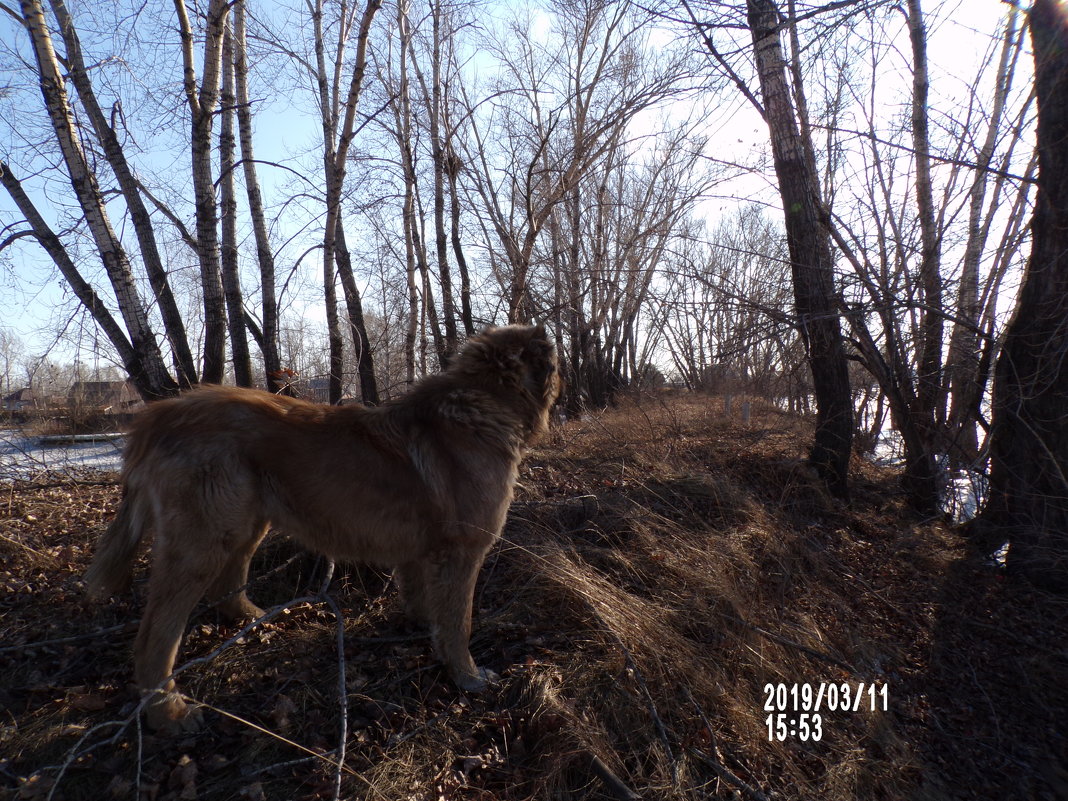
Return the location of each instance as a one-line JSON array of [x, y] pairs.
[[420, 485]]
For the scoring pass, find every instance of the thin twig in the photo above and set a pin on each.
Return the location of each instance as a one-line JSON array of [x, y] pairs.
[[660, 727], [73, 638], [716, 760], [27, 547], [148, 695], [791, 644], [397, 739], [325, 757], [270, 614], [723, 773], [250, 771], [342, 689], [73, 753]]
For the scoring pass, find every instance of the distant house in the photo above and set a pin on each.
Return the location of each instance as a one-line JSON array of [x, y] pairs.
[[315, 389], [20, 400], [109, 397]]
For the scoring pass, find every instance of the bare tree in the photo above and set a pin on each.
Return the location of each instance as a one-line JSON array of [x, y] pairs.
[[556, 115], [139, 215], [11, 352], [891, 302], [607, 244], [812, 264], [231, 280], [339, 128], [726, 309], [972, 340], [435, 106], [1028, 503], [202, 101], [268, 339], [891, 200], [140, 352]]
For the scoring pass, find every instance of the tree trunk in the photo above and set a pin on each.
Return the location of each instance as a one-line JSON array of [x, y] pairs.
[[437, 153], [235, 312], [85, 293], [139, 216], [145, 364], [365, 364], [202, 103], [963, 364], [928, 412], [929, 390], [402, 115], [272, 363], [453, 171], [810, 256], [1028, 503], [336, 141]]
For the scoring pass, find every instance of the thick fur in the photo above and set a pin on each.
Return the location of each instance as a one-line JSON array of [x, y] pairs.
[[420, 485]]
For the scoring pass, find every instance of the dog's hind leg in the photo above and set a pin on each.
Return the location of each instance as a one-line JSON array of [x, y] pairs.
[[412, 578], [186, 562], [228, 586]]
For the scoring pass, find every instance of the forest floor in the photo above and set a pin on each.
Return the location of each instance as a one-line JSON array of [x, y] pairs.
[[662, 565]]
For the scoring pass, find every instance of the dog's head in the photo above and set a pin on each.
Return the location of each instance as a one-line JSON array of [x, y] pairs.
[[520, 357]]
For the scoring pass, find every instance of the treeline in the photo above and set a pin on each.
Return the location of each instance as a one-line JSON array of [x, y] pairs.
[[616, 171]]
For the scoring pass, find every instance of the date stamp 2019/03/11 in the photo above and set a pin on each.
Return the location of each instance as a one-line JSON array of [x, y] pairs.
[[797, 710]]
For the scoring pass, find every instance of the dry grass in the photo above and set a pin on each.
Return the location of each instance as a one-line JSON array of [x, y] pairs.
[[660, 566]]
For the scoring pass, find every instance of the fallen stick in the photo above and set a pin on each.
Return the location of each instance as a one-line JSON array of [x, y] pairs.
[[614, 784]]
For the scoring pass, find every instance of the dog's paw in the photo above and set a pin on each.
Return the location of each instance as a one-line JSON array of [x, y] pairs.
[[239, 609], [173, 716], [479, 682]]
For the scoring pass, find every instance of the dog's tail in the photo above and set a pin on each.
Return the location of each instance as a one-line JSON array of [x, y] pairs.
[[112, 567]]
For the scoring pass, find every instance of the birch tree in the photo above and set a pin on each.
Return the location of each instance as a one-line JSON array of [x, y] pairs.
[[229, 268], [268, 339], [142, 223]]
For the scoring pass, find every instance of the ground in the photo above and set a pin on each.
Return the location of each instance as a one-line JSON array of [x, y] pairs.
[[662, 566]]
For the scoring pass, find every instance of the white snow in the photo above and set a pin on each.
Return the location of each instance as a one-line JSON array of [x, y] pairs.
[[24, 457]]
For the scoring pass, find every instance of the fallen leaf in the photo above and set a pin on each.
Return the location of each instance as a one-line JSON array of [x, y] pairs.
[[88, 702]]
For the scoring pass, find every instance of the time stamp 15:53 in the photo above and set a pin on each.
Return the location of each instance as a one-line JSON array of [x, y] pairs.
[[797, 710]]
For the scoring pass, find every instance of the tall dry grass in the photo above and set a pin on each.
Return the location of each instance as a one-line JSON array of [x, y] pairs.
[[662, 563]]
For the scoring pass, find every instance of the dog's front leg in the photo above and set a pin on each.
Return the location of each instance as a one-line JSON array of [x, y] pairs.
[[450, 590]]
